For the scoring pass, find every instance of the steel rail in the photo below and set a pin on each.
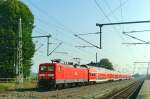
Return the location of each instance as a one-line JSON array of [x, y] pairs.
[[126, 93]]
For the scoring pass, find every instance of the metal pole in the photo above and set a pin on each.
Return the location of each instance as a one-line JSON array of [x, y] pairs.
[[100, 36], [96, 58], [148, 69], [20, 67], [134, 67], [48, 45]]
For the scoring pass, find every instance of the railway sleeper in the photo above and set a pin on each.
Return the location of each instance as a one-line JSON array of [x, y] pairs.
[[129, 92]]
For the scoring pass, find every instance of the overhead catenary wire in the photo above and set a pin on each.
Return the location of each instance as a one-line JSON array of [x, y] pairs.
[[84, 46], [137, 31], [55, 48], [121, 14], [100, 8], [88, 33], [39, 47], [68, 44], [58, 23], [122, 26], [109, 7], [77, 35], [135, 38], [53, 18], [83, 34], [114, 10], [87, 41], [121, 18], [54, 38], [39, 32], [100, 25], [133, 22], [48, 22], [69, 36], [111, 11], [128, 43]]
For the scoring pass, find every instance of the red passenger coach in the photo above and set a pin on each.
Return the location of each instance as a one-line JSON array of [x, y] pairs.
[[92, 75], [103, 75], [58, 74]]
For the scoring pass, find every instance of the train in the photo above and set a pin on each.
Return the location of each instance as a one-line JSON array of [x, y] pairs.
[[56, 74]]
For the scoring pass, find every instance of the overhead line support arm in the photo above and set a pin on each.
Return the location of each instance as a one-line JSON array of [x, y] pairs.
[[101, 25], [133, 22], [86, 41], [48, 36]]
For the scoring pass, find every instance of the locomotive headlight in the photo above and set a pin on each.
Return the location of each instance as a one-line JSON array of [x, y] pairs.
[[50, 75], [42, 75]]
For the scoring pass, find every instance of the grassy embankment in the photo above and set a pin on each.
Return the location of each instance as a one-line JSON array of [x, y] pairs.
[[10, 86], [7, 86]]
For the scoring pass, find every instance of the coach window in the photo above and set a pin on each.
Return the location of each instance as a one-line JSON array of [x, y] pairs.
[[93, 74]]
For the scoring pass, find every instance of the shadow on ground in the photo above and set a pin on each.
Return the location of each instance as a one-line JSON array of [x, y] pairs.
[[34, 89]]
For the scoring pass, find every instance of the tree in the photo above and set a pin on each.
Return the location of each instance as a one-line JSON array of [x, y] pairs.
[[105, 63], [10, 12]]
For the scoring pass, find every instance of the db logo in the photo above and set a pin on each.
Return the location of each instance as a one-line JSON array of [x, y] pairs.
[[75, 73]]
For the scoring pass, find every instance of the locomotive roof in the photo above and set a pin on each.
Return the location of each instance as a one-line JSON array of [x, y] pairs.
[[66, 64]]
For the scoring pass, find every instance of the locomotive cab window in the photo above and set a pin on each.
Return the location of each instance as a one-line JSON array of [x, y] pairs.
[[50, 68], [47, 68], [43, 68]]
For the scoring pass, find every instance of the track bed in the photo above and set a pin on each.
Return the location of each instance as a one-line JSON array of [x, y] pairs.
[[83, 92]]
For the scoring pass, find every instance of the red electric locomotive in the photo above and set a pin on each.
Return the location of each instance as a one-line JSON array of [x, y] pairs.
[[56, 74]]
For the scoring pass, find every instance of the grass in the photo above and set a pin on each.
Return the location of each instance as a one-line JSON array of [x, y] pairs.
[[29, 84], [7, 86]]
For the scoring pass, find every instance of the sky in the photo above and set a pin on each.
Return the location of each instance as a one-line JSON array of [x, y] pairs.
[[64, 18]]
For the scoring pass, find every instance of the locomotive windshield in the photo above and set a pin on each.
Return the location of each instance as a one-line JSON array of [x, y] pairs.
[[47, 68], [50, 68]]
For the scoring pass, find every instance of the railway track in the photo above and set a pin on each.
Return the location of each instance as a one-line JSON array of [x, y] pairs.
[[97, 91], [127, 92]]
